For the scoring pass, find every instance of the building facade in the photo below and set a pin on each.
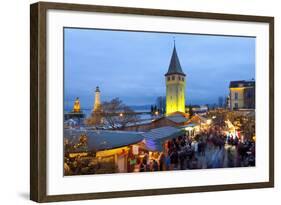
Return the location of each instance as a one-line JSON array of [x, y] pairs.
[[242, 95], [175, 86]]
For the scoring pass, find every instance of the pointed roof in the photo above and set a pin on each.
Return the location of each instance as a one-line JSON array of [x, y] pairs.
[[175, 66], [97, 89]]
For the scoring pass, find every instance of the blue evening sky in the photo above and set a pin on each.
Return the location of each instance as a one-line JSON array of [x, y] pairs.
[[131, 65]]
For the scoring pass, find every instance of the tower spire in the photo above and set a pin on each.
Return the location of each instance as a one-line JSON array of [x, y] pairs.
[[175, 66]]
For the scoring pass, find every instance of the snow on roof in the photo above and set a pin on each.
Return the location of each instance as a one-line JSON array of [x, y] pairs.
[[177, 118], [104, 139]]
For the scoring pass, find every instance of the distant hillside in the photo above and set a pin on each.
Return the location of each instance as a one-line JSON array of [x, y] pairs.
[[140, 107]]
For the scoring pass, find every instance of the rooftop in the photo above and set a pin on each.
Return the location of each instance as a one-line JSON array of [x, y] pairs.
[[99, 140], [155, 137], [175, 66], [242, 83], [177, 118], [103, 139]]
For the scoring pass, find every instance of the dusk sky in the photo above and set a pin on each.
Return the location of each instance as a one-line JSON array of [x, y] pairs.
[[132, 65]]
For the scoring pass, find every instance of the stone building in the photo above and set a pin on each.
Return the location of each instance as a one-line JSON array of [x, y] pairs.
[[242, 95]]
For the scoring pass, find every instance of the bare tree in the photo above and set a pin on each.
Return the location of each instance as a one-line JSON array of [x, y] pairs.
[[114, 114], [96, 117], [118, 115], [190, 111]]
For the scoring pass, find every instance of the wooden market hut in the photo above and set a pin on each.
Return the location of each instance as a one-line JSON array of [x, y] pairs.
[[173, 120], [105, 146]]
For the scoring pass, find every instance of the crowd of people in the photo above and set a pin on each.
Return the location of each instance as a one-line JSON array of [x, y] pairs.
[[209, 149]]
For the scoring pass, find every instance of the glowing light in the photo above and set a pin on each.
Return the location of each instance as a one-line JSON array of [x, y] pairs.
[[209, 121], [197, 128], [188, 128], [239, 88], [254, 138], [110, 152], [121, 114], [80, 154], [76, 106]]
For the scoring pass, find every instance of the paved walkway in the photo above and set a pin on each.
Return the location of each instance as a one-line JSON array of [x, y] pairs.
[[218, 158]]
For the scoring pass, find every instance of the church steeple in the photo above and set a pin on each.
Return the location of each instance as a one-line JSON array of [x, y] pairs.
[[175, 86], [175, 66]]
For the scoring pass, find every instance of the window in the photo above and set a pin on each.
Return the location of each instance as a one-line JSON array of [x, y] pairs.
[[235, 105], [173, 77], [179, 78], [236, 96], [168, 78], [182, 78]]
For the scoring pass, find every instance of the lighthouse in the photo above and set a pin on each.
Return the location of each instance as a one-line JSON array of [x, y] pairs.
[[97, 103]]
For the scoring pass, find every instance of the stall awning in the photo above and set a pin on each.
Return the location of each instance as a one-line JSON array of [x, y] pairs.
[[155, 137]]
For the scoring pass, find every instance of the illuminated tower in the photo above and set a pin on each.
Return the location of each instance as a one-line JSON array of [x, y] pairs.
[[175, 86], [76, 106], [97, 99]]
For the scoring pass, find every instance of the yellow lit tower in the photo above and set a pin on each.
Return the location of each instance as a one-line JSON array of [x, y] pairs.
[[175, 86], [97, 99], [76, 106]]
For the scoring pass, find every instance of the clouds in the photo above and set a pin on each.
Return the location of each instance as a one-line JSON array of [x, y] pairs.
[[131, 65]]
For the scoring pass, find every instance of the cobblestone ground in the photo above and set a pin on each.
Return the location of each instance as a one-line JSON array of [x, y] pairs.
[[216, 157]]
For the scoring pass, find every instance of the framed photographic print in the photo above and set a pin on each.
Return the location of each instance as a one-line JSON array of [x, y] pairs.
[[135, 102]]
